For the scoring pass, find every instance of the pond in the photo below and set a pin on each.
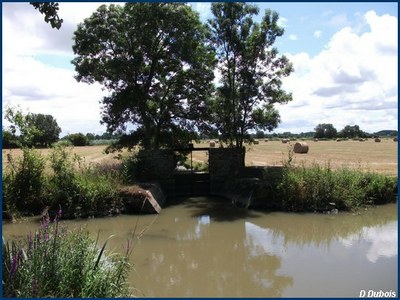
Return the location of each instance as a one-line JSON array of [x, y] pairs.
[[206, 247]]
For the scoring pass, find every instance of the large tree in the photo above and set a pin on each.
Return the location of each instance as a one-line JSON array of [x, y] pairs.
[[49, 130], [352, 132], [326, 131], [251, 70], [153, 59], [29, 130]]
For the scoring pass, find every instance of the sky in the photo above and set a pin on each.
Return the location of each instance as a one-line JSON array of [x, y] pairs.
[[345, 57]]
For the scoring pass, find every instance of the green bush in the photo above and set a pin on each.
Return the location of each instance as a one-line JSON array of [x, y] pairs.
[[129, 168], [24, 182], [197, 166], [63, 143], [316, 188], [81, 191], [78, 139], [57, 263]]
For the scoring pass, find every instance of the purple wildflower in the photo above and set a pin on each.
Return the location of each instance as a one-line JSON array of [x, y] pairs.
[[58, 215], [14, 265], [45, 222]]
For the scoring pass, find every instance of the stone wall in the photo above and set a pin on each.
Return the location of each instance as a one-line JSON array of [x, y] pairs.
[[224, 164], [155, 165]]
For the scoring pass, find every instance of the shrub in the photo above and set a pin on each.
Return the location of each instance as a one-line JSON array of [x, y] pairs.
[[129, 168], [62, 143], [56, 263], [10, 141], [78, 139], [315, 188], [81, 191], [24, 182]]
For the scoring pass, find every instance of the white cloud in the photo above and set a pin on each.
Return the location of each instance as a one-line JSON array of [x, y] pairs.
[[353, 80], [40, 87], [293, 37], [318, 34]]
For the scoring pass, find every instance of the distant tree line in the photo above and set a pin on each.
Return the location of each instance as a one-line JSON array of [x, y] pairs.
[[328, 131], [41, 131]]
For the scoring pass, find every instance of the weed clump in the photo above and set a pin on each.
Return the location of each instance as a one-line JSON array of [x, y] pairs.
[[319, 188], [54, 262], [29, 185]]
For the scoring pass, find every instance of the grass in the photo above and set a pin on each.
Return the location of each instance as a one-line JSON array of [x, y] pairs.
[[54, 262], [81, 189], [319, 188]]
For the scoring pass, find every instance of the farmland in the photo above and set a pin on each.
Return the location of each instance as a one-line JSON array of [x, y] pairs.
[[368, 156]]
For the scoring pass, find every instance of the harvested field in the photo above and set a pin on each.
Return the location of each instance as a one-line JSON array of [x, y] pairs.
[[91, 154], [369, 156]]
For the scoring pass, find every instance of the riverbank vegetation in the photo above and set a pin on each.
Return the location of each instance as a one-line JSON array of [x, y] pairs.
[[33, 182], [319, 188], [55, 262]]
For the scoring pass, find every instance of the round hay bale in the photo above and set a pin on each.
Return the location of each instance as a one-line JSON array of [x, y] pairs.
[[300, 147], [212, 145], [377, 140], [315, 140], [256, 142], [266, 140], [338, 140], [361, 140], [395, 139], [284, 141]]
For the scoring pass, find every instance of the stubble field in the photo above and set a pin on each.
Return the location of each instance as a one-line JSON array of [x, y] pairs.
[[368, 156]]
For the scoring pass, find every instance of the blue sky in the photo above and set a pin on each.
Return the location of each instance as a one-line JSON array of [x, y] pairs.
[[344, 54]]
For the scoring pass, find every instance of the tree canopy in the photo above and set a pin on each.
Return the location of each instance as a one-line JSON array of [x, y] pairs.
[[251, 70], [30, 130], [352, 132], [325, 131], [154, 60], [50, 12]]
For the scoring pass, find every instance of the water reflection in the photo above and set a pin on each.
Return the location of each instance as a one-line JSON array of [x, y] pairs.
[[382, 241], [207, 248]]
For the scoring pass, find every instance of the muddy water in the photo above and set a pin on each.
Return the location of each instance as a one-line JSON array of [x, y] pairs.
[[207, 248]]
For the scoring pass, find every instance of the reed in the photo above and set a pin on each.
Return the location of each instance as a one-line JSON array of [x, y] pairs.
[[319, 188]]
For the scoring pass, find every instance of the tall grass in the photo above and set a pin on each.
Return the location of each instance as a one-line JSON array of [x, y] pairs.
[[83, 191], [33, 182], [24, 182], [54, 262], [320, 188]]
